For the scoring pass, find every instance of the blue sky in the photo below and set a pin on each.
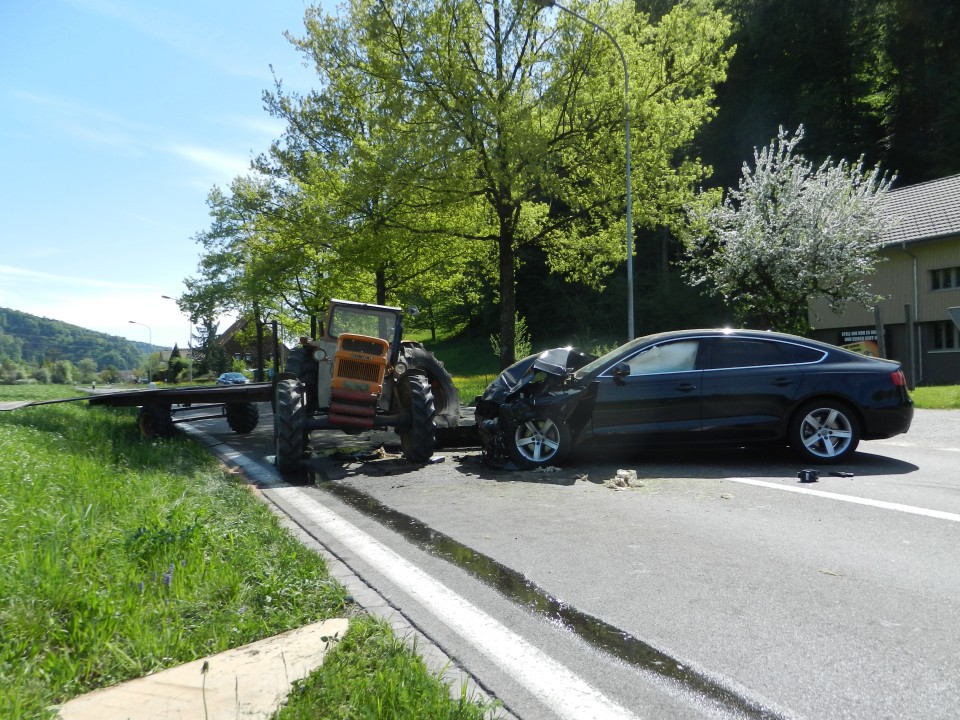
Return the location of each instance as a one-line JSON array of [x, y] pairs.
[[117, 117]]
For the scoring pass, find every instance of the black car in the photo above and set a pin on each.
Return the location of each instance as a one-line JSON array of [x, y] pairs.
[[693, 387]]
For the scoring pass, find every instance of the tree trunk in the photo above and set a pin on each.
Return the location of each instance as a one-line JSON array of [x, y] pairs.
[[508, 300], [381, 286]]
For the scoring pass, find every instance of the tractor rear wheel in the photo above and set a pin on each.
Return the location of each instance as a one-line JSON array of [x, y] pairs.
[[416, 402], [242, 417], [446, 398], [289, 425]]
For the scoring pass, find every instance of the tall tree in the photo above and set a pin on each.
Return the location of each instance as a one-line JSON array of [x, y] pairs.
[[462, 130]]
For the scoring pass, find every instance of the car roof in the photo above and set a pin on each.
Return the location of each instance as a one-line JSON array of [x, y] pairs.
[[737, 332], [834, 350]]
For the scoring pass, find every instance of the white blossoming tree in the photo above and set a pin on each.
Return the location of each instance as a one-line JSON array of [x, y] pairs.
[[789, 233]]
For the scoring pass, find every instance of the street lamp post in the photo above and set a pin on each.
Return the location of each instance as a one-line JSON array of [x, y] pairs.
[[150, 336], [189, 341], [626, 124]]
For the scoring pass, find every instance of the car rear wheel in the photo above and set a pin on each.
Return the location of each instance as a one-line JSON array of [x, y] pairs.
[[825, 431], [539, 443]]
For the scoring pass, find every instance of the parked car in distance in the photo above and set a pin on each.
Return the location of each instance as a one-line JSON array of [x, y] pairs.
[[232, 378], [694, 387]]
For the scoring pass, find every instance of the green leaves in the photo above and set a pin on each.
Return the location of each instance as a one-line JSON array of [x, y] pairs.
[[442, 135]]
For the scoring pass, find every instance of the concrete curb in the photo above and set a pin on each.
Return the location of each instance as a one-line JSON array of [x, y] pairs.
[[249, 682]]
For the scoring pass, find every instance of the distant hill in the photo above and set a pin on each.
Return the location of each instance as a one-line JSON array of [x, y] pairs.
[[36, 340]]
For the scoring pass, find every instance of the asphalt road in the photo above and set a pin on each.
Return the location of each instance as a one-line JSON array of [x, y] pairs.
[[718, 586]]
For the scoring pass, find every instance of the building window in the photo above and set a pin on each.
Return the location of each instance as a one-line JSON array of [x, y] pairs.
[[945, 278], [946, 336]]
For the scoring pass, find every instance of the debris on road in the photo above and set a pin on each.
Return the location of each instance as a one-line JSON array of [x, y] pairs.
[[624, 479], [808, 476]]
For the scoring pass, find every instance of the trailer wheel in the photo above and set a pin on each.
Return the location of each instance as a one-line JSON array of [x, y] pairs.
[[416, 402], [446, 398], [242, 417], [155, 421], [289, 425]]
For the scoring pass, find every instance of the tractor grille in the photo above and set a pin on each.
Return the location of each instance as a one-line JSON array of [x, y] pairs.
[[356, 370]]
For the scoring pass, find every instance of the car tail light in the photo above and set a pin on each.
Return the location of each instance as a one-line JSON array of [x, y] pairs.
[[899, 379]]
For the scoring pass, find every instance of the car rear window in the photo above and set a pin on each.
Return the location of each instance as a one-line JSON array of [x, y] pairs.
[[801, 353], [734, 352], [744, 352]]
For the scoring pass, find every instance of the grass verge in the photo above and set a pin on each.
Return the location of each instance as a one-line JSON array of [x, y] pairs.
[[372, 674], [942, 397], [122, 557]]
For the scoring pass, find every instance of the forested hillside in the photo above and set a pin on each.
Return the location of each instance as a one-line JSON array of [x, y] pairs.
[[872, 78], [34, 341]]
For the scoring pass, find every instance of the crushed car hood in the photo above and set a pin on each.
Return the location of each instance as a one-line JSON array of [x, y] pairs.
[[558, 362]]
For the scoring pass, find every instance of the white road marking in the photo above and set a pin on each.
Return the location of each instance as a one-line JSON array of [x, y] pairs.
[[939, 514], [564, 692]]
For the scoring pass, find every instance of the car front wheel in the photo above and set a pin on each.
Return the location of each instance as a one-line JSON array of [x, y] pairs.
[[539, 443], [824, 431]]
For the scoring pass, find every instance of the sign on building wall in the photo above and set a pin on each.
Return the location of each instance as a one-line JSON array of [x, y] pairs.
[[861, 341]]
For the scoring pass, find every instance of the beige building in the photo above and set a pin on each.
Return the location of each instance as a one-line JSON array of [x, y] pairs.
[[918, 323]]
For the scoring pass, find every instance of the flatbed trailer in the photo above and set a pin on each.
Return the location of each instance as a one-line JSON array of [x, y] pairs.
[[160, 406]]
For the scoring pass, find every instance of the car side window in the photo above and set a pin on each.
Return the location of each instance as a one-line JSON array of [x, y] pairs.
[[744, 353], [671, 357]]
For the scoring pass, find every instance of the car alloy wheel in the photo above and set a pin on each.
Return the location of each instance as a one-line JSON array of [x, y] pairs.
[[540, 442], [825, 431]]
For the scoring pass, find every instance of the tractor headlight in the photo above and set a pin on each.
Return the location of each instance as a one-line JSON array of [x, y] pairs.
[[320, 355], [399, 369]]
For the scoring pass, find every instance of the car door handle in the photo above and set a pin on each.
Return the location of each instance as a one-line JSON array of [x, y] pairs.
[[782, 382], [686, 387]]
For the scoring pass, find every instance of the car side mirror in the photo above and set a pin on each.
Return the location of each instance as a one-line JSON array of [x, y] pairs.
[[620, 371]]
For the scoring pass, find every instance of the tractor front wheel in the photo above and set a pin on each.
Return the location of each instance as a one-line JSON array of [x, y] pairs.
[[289, 425], [416, 403]]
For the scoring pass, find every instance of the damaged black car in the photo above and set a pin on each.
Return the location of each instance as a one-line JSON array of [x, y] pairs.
[[693, 387]]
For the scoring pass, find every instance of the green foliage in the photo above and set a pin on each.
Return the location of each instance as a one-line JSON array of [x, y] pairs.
[[110, 375], [872, 78], [445, 136], [209, 356], [34, 341], [522, 344], [131, 556]]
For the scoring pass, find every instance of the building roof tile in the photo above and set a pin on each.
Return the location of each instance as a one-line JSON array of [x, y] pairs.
[[926, 211]]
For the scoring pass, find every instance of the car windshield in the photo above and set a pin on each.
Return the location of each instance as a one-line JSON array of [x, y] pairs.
[[607, 358]]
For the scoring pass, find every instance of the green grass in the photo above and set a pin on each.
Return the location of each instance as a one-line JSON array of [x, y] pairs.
[[470, 362], [121, 557], [942, 397], [372, 674]]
